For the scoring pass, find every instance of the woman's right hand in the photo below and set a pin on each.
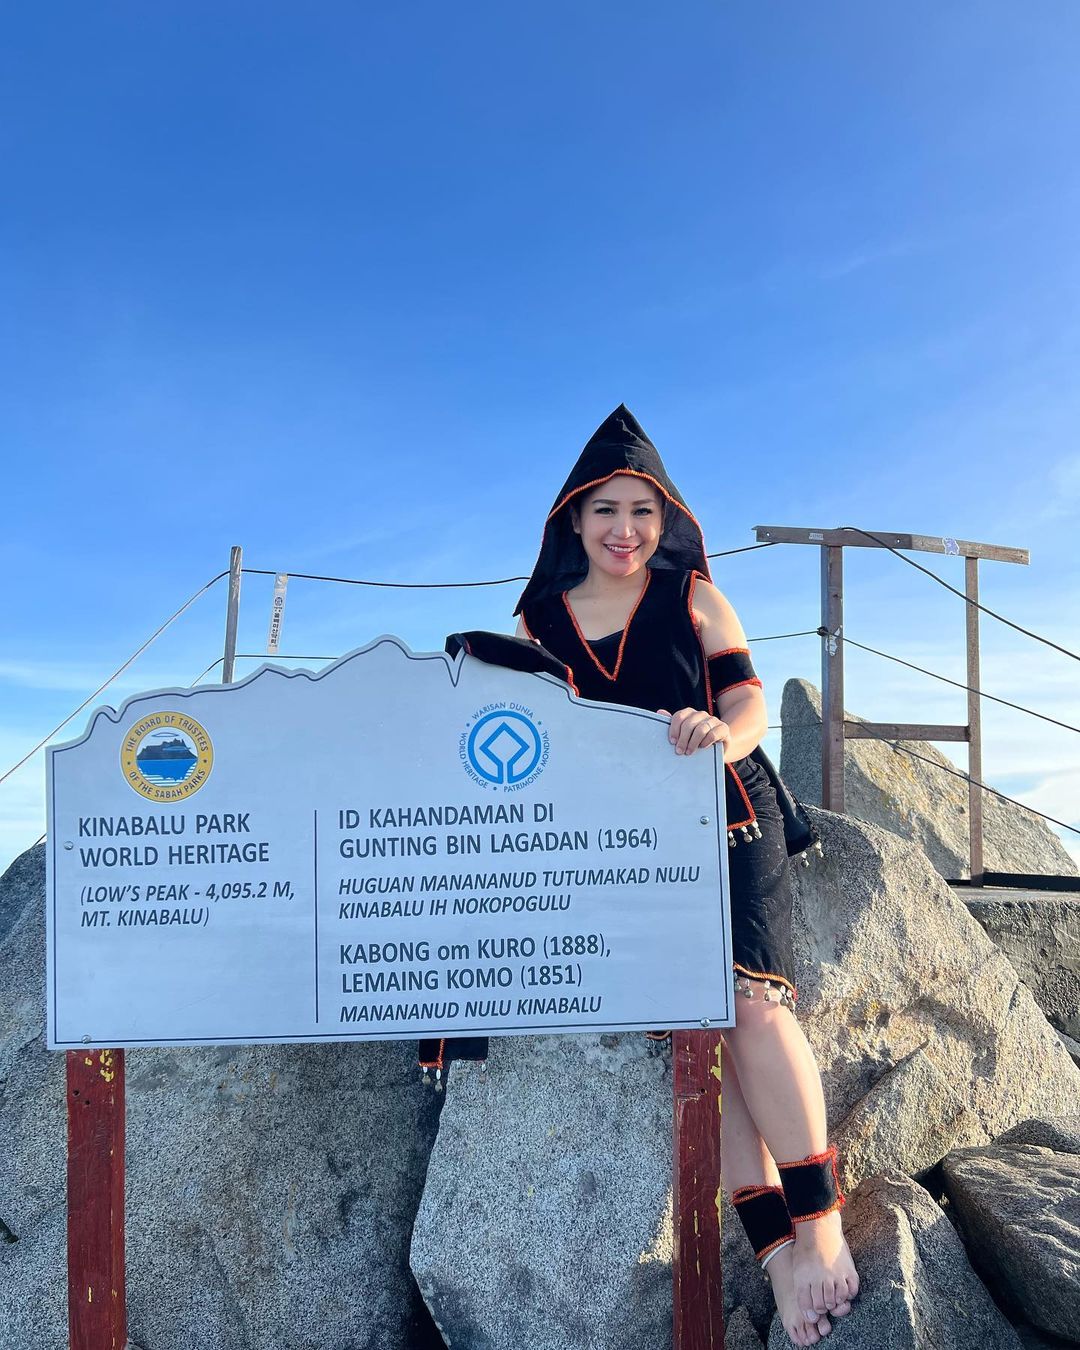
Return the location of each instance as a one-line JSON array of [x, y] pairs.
[[693, 729]]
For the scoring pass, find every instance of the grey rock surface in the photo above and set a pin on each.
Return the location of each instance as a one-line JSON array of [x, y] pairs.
[[908, 1121], [1061, 1133], [1040, 934], [739, 1333], [1072, 1048], [917, 1288], [1019, 1211], [271, 1189], [1032, 1339], [915, 800], [546, 1217], [890, 963]]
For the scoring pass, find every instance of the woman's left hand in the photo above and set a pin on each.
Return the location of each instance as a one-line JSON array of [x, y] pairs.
[[691, 729]]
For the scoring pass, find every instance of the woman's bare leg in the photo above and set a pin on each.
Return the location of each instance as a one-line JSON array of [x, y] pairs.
[[747, 1162], [780, 1089]]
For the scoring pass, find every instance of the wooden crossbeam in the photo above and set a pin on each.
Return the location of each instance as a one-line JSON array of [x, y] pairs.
[[915, 543], [904, 731]]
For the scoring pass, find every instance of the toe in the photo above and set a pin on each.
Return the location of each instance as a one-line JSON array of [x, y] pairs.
[[842, 1309], [817, 1294], [824, 1327], [828, 1293]]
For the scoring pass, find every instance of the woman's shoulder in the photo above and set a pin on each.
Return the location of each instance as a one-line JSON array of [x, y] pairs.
[[714, 614]]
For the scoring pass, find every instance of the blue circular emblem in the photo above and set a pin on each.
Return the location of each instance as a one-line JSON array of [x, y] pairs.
[[504, 747]]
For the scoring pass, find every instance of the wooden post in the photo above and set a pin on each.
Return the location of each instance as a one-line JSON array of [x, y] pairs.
[[832, 677], [697, 1276], [97, 1296], [232, 614], [974, 710]]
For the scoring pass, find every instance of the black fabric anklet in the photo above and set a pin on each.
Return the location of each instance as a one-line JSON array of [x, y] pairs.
[[763, 1213], [812, 1186]]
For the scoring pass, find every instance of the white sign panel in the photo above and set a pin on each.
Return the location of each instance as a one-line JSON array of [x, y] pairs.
[[401, 845]]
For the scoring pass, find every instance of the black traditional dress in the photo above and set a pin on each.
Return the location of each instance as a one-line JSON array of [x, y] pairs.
[[658, 661]]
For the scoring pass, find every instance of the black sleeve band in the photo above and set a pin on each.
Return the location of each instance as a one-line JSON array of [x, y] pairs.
[[730, 669]]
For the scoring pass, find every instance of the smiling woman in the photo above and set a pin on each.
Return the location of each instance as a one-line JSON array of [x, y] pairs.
[[621, 593]]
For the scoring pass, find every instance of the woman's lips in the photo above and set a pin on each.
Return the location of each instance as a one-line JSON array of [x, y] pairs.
[[621, 550]]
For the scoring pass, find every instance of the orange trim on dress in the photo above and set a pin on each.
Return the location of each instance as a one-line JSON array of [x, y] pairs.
[[612, 676], [739, 685], [738, 824], [728, 651], [436, 1063], [697, 633], [765, 975], [732, 824]]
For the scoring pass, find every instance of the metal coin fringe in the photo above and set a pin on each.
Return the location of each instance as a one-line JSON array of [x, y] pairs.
[[772, 991]]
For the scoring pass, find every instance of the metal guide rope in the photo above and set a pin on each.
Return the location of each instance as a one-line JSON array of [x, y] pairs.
[[116, 673], [445, 585], [957, 684], [983, 609]]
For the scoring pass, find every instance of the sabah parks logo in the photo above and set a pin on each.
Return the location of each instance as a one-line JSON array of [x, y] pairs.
[[504, 745], [167, 756]]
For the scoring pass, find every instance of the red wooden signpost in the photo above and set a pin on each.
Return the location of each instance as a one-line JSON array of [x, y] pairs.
[[697, 1277], [97, 1301]]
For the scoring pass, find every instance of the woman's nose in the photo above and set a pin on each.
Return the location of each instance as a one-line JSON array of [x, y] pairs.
[[623, 527]]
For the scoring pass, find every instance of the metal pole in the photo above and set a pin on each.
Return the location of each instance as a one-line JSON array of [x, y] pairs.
[[696, 1267], [97, 1292], [232, 614], [974, 717], [832, 677]]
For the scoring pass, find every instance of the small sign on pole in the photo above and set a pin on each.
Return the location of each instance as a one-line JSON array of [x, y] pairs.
[[277, 613]]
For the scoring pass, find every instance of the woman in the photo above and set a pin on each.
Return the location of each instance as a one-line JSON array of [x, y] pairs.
[[621, 594]]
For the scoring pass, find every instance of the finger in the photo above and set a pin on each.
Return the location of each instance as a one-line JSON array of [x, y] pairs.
[[677, 720], [686, 730], [703, 734]]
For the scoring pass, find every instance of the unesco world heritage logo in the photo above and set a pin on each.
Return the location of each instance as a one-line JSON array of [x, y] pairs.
[[504, 746], [167, 756]]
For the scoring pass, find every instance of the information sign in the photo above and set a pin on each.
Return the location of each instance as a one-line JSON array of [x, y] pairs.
[[403, 845]]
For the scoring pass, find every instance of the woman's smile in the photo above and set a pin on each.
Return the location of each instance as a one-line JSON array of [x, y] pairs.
[[620, 523]]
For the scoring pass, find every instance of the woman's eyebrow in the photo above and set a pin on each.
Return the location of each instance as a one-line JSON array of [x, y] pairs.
[[611, 501]]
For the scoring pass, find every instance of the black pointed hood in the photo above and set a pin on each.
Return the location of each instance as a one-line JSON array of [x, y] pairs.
[[618, 445]]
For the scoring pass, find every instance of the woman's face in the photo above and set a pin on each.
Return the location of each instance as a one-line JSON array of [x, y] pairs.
[[620, 524]]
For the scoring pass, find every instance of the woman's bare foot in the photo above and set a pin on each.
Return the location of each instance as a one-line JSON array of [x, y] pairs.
[[801, 1332], [824, 1274]]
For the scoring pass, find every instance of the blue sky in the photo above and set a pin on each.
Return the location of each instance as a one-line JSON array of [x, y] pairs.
[[350, 285]]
